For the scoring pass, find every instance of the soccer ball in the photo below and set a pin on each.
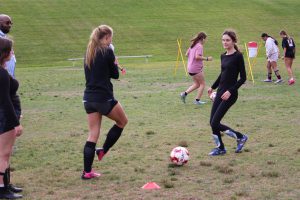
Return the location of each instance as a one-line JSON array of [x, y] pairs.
[[212, 96], [179, 156]]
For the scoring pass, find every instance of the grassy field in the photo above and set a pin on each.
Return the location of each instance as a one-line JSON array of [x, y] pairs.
[[48, 157], [48, 32]]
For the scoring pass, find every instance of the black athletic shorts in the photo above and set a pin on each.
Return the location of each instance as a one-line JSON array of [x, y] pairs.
[[3, 119], [289, 54], [103, 108], [192, 74]]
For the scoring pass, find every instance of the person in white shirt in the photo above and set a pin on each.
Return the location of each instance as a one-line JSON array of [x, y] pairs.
[[272, 52], [5, 26]]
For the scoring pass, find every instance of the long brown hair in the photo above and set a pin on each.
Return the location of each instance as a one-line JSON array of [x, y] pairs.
[[199, 37], [232, 35], [5, 49], [95, 43]]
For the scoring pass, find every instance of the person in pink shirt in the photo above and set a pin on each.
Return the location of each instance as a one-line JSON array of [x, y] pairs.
[[195, 67]]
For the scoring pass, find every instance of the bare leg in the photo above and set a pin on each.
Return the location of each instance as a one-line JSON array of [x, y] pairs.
[[201, 81], [7, 141], [94, 123], [195, 85], [118, 115], [288, 64]]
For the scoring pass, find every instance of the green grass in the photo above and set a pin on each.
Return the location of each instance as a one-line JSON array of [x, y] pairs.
[[48, 32], [48, 157], [48, 160]]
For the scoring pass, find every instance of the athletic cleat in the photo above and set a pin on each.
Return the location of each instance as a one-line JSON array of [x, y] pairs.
[[199, 102], [14, 188], [291, 81], [100, 153], [279, 81], [217, 152], [267, 80], [89, 175], [5, 193], [182, 96], [240, 143]]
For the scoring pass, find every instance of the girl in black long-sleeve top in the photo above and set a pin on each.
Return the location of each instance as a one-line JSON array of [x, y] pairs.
[[232, 65], [10, 127], [99, 67]]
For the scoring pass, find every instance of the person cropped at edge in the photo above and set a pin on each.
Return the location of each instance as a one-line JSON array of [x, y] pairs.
[[5, 26], [10, 127]]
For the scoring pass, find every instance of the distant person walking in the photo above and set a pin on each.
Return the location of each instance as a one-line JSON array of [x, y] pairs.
[[10, 128], [99, 67], [5, 26], [272, 52], [289, 51], [232, 66], [195, 67]]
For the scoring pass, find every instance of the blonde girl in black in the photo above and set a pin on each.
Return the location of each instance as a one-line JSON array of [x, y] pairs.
[[99, 67]]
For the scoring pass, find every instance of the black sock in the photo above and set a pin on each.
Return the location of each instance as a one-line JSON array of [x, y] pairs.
[[277, 74], [197, 99], [112, 137], [218, 140], [221, 142], [5, 178], [185, 93], [238, 134], [88, 155], [270, 76]]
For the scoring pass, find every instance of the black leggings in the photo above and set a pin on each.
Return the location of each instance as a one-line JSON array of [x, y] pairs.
[[219, 109]]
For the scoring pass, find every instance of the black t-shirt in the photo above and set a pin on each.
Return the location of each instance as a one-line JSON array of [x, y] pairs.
[[231, 66], [289, 44], [98, 85], [9, 100]]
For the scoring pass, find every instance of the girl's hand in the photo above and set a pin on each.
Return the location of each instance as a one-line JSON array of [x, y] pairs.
[[18, 130], [209, 58], [226, 95]]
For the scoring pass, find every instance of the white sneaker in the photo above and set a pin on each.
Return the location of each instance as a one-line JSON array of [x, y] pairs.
[[279, 81], [182, 96], [199, 102], [267, 80]]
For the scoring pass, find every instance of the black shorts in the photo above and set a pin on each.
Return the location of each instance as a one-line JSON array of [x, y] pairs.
[[3, 120], [103, 108], [192, 74], [289, 55]]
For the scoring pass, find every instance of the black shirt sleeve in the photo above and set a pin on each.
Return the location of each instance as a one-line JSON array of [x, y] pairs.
[[284, 43], [114, 72], [242, 72], [216, 83], [6, 101]]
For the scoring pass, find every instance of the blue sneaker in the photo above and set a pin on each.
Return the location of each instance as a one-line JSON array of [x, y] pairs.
[[217, 151], [240, 143], [199, 102], [182, 96]]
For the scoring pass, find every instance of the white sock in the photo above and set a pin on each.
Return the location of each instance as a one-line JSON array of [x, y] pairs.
[[1, 185]]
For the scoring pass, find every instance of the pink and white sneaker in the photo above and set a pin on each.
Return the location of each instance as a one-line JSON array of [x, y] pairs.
[[291, 81], [100, 153], [89, 175]]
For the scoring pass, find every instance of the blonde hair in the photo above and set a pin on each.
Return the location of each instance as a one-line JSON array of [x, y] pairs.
[[95, 43]]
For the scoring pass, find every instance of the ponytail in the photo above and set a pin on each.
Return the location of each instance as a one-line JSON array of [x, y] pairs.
[[201, 36], [236, 48], [95, 43]]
